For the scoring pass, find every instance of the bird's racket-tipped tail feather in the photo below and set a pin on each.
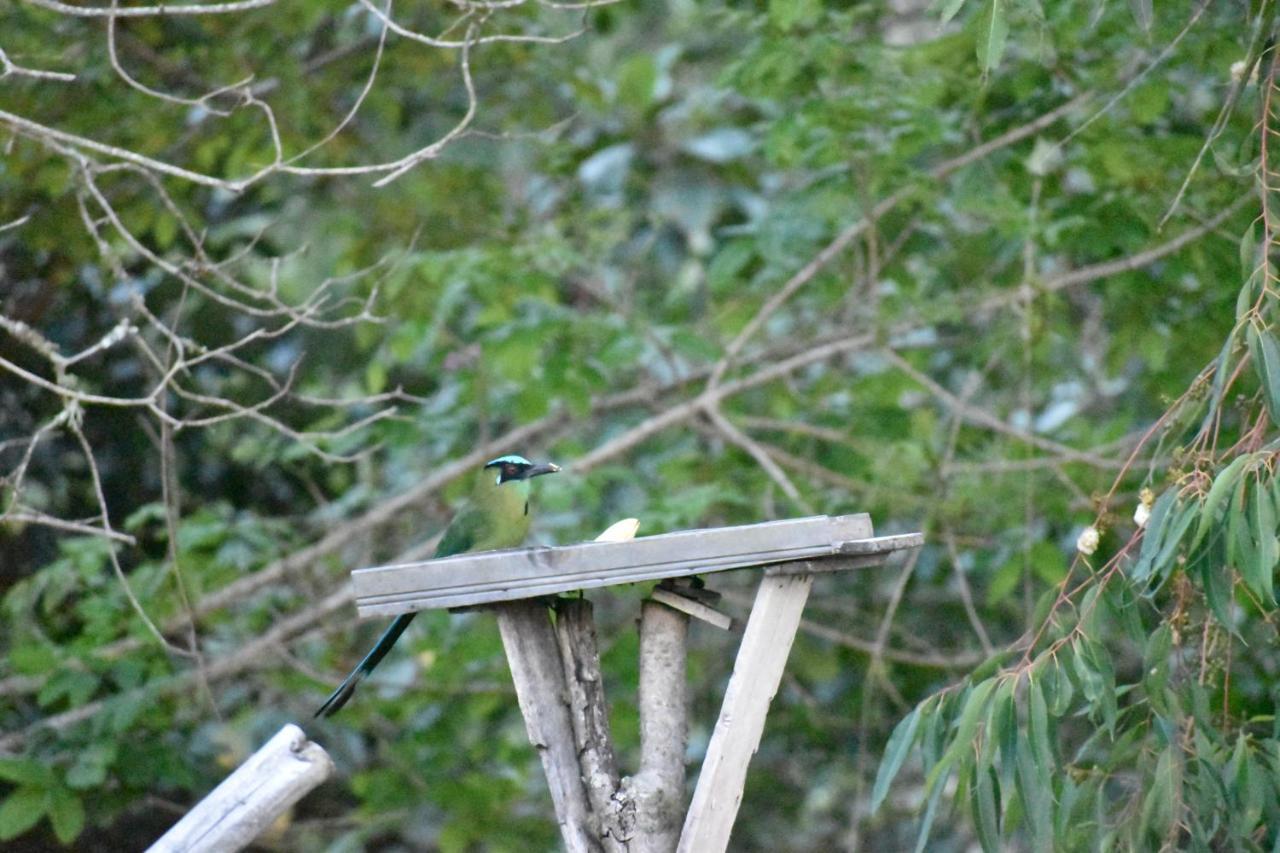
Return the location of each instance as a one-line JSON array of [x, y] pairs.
[[339, 697]]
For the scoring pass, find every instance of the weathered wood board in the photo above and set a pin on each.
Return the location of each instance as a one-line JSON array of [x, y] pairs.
[[493, 576]]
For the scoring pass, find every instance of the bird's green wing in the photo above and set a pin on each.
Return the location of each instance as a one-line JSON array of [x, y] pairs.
[[462, 533], [493, 523]]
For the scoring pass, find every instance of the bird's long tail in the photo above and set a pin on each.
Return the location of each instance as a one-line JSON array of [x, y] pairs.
[[339, 697]]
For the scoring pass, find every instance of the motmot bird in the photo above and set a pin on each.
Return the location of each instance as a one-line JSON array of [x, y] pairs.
[[495, 516]]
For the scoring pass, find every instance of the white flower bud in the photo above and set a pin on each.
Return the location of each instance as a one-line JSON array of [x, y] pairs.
[[1087, 542], [1141, 514], [1237, 71]]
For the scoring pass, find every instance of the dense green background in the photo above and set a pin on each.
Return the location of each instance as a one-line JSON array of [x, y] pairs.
[[978, 362]]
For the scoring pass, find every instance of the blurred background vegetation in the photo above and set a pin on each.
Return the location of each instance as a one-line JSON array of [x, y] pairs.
[[725, 263]]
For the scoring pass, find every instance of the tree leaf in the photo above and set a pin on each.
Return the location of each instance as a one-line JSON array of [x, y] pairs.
[[1153, 536], [1036, 790], [1220, 374], [1217, 494], [66, 814], [926, 824], [895, 752], [1157, 809], [1174, 531], [993, 32], [26, 771], [1038, 727], [1248, 294], [1266, 361], [975, 704], [986, 807], [947, 9], [1262, 517], [1155, 668], [20, 811]]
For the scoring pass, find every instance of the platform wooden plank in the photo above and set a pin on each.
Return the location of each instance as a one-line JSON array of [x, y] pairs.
[[493, 576]]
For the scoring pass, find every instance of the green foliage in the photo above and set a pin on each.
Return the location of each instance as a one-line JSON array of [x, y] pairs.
[[631, 200]]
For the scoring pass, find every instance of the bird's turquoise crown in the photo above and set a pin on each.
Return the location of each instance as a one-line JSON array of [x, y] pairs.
[[514, 467], [513, 459]]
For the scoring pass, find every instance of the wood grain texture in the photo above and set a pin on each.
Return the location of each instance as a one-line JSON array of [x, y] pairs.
[[252, 798], [613, 814], [533, 654], [658, 788], [757, 672], [696, 609], [515, 574]]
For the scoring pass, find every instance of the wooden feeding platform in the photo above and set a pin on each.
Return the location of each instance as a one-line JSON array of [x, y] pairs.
[[556, 667]]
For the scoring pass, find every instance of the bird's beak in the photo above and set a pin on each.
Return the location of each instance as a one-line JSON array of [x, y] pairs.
[[539, 470]]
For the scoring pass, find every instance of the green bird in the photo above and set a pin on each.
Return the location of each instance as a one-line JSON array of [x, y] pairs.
[[495, 516]]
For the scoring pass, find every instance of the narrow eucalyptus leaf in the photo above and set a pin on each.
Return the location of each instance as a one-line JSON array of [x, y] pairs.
[[1263, 520], [1153, 536], [975, 705], [1221, 370], [1155, 660], [1036, 791], [1250, 254], [1038, 728], [1265, 353], [1177, 528], [895, 752], [1218, 493], [993, 32], [926, 824], [1216, 581], [1248, 294], [986, 807], [948, 9], [1059, 698], [1248, 557]]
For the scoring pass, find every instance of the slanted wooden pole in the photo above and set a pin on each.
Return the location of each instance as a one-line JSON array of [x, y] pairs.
[[252, 798], [658, 789], [614, 814], [541, 689], [757, 672]]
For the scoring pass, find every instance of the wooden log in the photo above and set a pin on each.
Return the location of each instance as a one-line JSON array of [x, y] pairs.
[[252, 798], [757, 672], [614, 814], [658, 788], [533, 654]]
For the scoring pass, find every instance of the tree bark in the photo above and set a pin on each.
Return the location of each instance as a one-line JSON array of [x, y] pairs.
[[579, 652], [658, 789], [534, 657]]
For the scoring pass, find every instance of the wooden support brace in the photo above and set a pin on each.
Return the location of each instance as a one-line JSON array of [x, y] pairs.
[[534, 657], [757, 672], [252, 798], [696, 609]]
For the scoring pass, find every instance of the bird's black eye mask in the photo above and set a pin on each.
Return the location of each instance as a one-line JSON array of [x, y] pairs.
[[518, 468], [510, 468]]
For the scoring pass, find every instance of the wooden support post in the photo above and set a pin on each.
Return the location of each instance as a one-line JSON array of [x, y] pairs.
[[614, 814], [534, 657], [658, 789], [757, 672], [252, 798]]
